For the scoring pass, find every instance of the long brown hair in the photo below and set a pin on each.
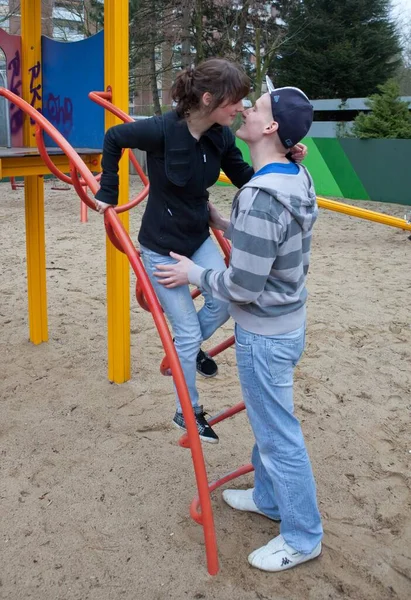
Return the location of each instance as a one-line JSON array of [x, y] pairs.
[[224, 80]]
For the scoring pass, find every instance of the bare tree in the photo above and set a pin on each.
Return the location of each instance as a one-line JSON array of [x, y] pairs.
[[155, 45], [81, 18], [245, 31], [404, 72], [186, 19], [85, 17], [9, 15]]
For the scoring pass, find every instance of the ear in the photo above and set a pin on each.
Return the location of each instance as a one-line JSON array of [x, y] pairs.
[[207, 98], [271, 128]]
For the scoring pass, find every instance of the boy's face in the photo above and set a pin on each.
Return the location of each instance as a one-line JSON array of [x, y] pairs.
[[257, 121]]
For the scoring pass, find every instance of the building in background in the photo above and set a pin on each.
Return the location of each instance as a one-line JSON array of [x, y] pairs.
[[65, 20], [334, 118]]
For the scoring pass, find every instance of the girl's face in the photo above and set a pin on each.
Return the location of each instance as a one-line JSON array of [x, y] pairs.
[[226, 113]]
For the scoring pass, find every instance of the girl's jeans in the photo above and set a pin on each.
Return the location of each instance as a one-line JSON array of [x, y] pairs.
[[189, 327]]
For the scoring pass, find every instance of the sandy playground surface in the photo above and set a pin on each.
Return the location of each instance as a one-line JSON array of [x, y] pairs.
[[94, 490]]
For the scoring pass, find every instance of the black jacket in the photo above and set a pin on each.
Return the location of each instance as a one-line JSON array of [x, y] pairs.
[[180, 170]]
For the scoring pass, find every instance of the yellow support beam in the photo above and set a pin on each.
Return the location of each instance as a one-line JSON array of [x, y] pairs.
[[116, 51], [34, 185], [363, 213], [33, 165], [352, 211], [36, 259]]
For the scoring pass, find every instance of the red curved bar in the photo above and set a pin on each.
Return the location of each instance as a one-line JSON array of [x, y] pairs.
[[221, 347], [79, 188], [195, 504], [165, 336], [15, 185], [55, 136], [140, 297], [224, 244], [137, 167], [110, 233], [121, 240], [46, 157], [51, 166], [165, 367], [184, 441], [103, 99]]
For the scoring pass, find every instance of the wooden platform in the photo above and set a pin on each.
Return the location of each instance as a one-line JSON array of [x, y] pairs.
[[19, 162]]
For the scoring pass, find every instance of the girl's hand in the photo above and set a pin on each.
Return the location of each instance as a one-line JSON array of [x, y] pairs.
[[101, 207], [299, 152]]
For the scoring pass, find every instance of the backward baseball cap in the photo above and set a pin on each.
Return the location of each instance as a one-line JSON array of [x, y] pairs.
[[292, 111]]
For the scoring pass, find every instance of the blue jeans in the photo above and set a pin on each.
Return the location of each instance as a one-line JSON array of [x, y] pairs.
[[189, 327], [284, 486]]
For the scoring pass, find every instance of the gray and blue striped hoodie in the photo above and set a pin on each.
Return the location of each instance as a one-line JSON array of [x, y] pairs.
[[270, 230]]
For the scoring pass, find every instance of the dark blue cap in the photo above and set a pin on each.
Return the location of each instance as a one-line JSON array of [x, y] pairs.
[[293, 112]]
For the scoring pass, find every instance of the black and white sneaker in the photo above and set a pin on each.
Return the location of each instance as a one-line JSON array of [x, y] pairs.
[[206, 366], [206, 433]]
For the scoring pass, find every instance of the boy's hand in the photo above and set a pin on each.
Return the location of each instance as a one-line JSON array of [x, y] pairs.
[[101, 207], [174, 275], [215, 219], [299, 152]]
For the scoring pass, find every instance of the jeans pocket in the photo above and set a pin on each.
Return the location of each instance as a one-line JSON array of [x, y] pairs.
[[243, 351], [282, 357]]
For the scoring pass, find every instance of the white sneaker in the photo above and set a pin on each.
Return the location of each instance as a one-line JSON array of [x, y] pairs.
[[243, 500], [277, 555]]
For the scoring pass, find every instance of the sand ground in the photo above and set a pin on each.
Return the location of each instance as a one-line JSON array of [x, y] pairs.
[[94, 490]]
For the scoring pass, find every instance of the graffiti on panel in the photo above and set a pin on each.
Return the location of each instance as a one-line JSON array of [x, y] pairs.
[[16, 115], [60, 113], [35, 97]]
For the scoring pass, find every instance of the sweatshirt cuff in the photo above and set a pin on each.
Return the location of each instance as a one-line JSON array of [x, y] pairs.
[[108, 196], [194, 275]]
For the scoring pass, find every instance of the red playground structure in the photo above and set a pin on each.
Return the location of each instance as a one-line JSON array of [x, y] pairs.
[[82, 178]]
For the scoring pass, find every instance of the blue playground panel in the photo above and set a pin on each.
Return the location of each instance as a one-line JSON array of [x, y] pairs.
[[70, 71]]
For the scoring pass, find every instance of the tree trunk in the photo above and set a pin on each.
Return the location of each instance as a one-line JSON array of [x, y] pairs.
[[167, 73], [153, 81], [47, 18], [185, 35], [243, 20], [258, 65], [198, 33]]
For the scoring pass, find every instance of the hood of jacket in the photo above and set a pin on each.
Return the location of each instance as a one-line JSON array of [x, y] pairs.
[[295, 192]]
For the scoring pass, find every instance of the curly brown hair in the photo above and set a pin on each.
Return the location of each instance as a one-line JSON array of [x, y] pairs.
[[224, 80]]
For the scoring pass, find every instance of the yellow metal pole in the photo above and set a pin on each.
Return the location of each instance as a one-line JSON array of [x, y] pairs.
[[34, 185], [116, 53], [352, 211], [363, 213]]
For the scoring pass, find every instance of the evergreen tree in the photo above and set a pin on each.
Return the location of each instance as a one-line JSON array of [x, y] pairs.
[[337, 48], [390, 116]]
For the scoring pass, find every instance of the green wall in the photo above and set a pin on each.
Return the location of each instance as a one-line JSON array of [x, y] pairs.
[[378, 170]]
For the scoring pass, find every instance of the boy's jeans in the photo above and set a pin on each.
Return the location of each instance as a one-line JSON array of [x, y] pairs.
[[284, 482], [189, 327]]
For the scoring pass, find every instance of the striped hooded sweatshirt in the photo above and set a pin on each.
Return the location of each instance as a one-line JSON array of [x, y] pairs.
[[270, 230]]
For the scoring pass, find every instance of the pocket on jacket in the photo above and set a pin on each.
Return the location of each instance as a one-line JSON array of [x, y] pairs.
[[178, 166]]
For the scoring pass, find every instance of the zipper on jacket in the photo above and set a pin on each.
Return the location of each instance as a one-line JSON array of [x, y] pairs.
[[203, 152]]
